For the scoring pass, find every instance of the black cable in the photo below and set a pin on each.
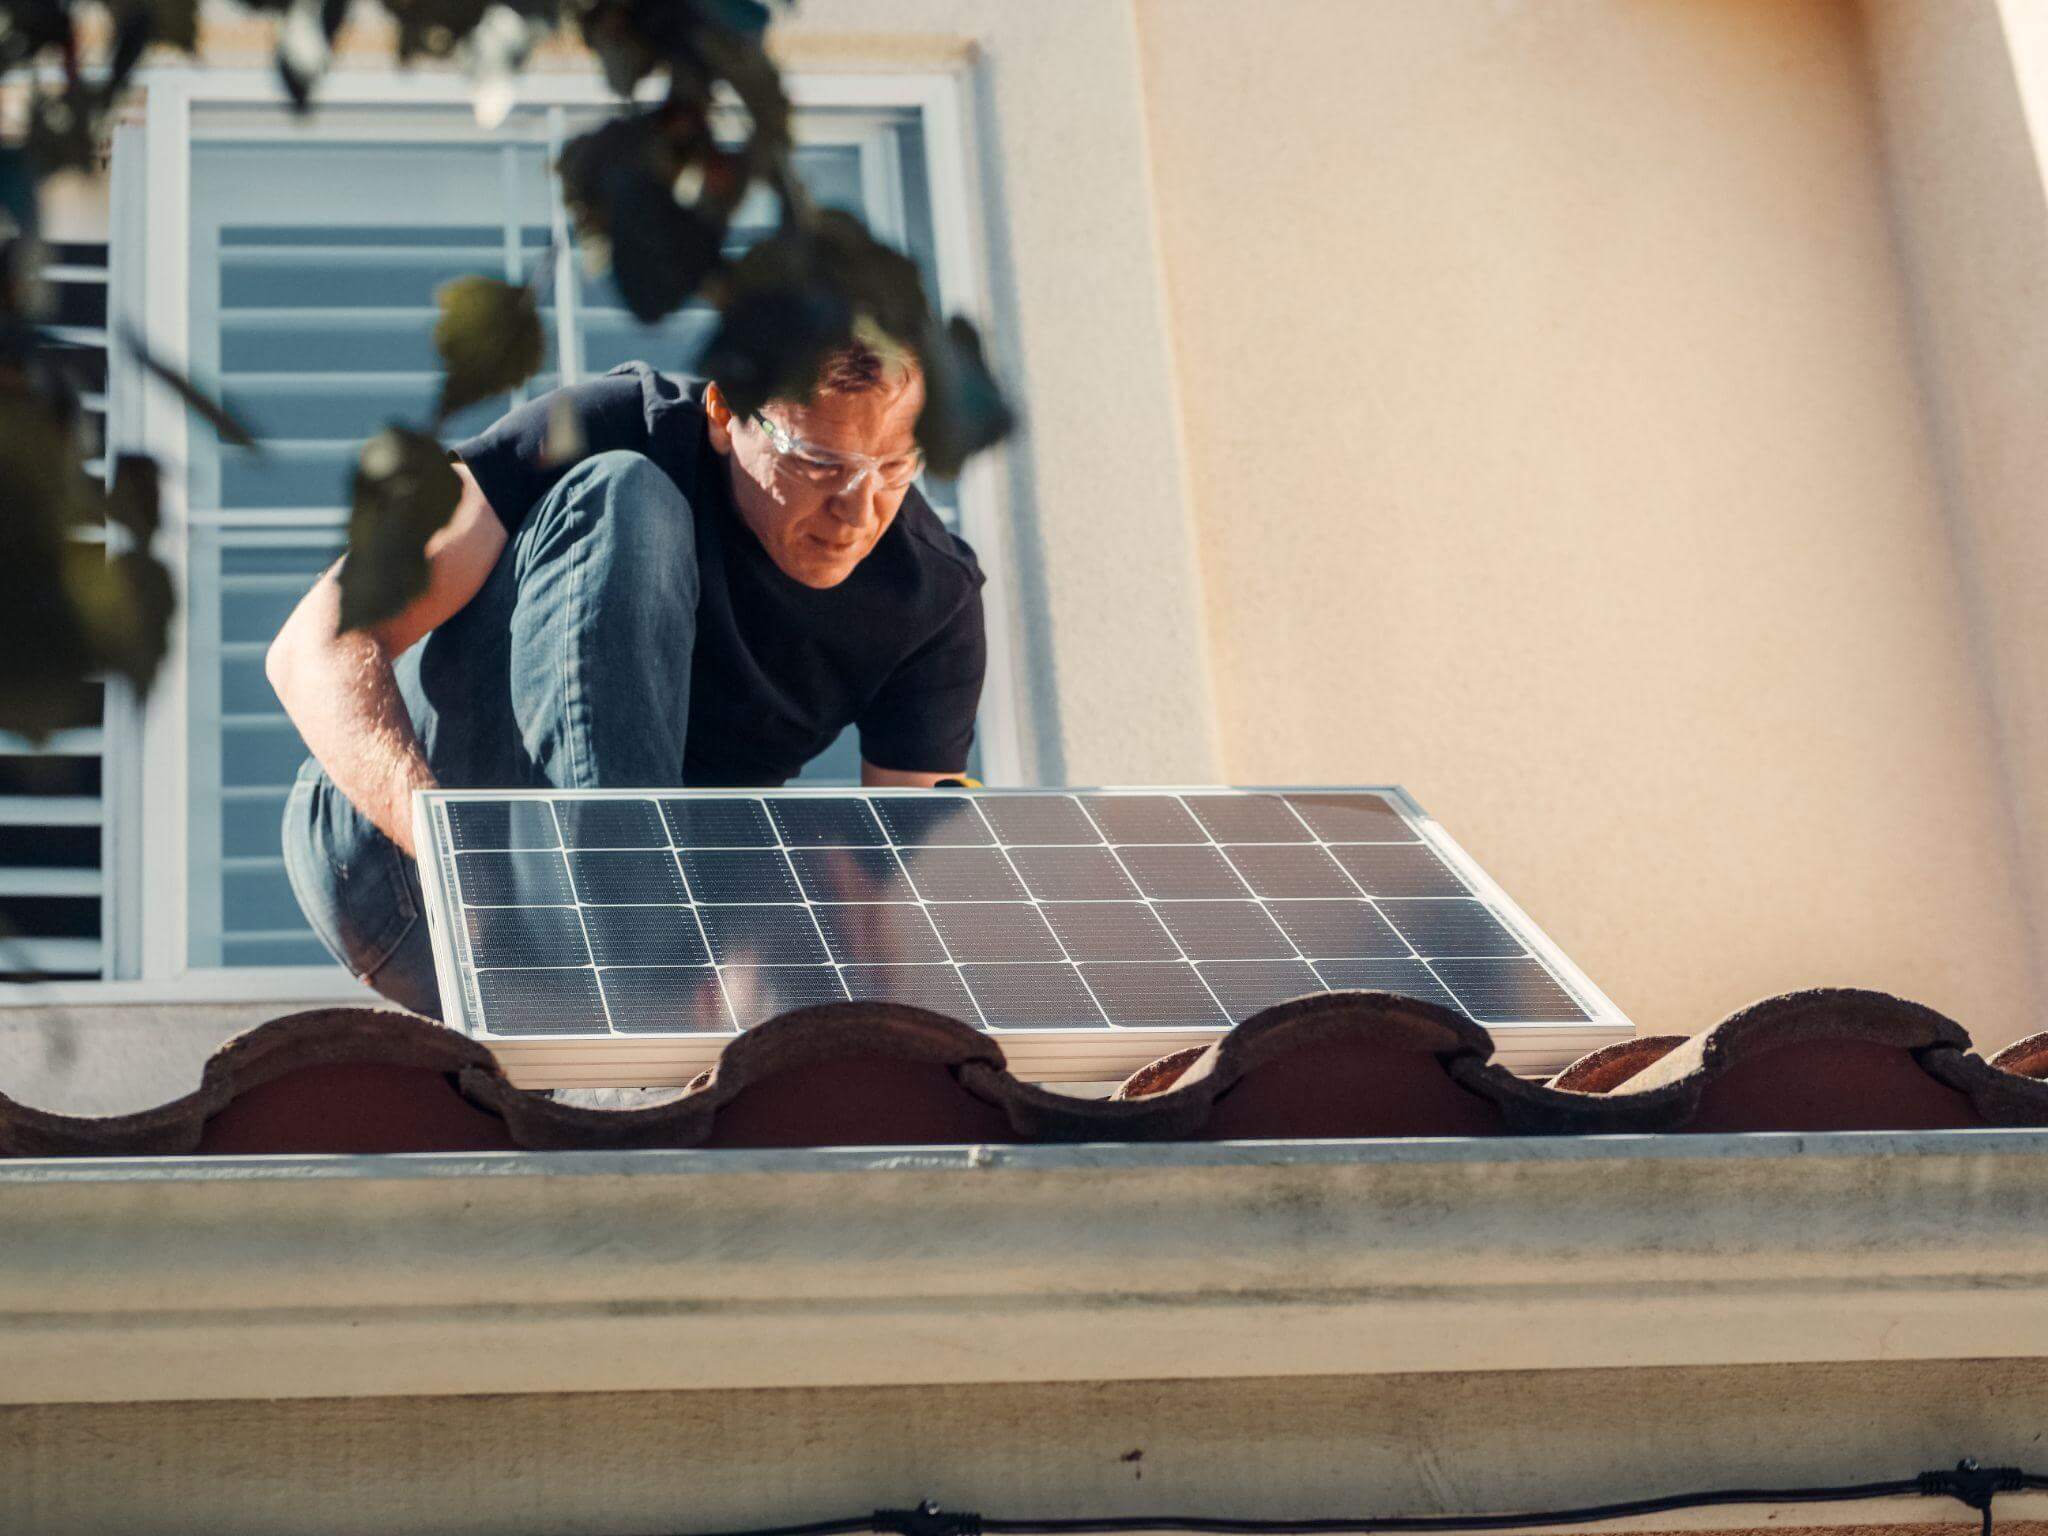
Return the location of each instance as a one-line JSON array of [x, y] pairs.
[[1966, 1482], [1621, 1509]]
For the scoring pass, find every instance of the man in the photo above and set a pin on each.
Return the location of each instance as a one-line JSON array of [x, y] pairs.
[[695, 599]]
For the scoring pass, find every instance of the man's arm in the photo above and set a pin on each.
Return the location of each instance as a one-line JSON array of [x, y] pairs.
[[339, 690]]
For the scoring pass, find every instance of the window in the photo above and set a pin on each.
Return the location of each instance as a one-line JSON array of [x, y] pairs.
[[293, 265], [53, 823]]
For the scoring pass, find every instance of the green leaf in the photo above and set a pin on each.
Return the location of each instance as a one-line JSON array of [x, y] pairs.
[[404, 491], [230, 430], [125, 603], [63, 129], [67, 612], [743, 63], [622, 48], [46, 660], [619, 183], [434, 27], [661, 250], [878, 282], [134, 31], [489, 337], [176, 22], [964, 410]]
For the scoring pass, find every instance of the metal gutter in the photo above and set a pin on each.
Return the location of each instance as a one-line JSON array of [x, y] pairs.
[[173, 1279]]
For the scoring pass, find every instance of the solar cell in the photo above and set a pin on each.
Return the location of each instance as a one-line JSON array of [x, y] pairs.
[[1398, 869], [937, 987], [1154, 996], [819, 823], [718, 823], [962, 874], [1495, 991], [693, 915], [1039, 819], [645, 936], [1143, 819], [1337, 929], [664, 999], [762, 935], [1248, 819], [994, 930], [738, 874], [851, 874], [1458, 926], [641, 875], [502, 824], [879, 933], [1352, 818], [1224, 930], [1033, 997], [942, 821], [611, 824], [1410, 978], [1073, 874], [1289, 869], [757, 993], [1181, 874], [1246, 986], [542, 1002], [526, 936], [512, 879], [1109, 930]]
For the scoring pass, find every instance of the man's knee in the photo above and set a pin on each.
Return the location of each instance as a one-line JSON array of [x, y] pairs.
[[626, 501]]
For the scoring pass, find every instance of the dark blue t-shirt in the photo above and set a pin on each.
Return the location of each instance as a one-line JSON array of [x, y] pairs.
[[897, 649]]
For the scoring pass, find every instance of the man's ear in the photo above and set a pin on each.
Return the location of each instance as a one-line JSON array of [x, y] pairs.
[[718, 414]]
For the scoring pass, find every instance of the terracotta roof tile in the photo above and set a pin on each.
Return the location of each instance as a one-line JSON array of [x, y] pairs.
[[1332, 1065], [357, 1080], [1824, 1060], [2028, 1057], [1607, 1068]]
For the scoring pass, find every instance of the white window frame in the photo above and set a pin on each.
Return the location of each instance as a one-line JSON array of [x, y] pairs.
[[148, 752]]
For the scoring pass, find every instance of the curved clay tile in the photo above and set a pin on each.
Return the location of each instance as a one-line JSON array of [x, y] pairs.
[[2027, 1057], [1160, 1075], [360, 1080], [1334, 1064], [837, 1074], [1829, 1059], [1610, 1066], [326, 1080], [2002, 1094]]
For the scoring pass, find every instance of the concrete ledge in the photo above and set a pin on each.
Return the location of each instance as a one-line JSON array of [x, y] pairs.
[[162, 1279]]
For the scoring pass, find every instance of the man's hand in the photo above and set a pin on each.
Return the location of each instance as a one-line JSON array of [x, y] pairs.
[[872, 777], [338, 688]]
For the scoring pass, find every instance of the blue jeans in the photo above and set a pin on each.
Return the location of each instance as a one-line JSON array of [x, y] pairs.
[[569, 669]]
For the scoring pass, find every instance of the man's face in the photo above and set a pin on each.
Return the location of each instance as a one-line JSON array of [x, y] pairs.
[[814, 525]]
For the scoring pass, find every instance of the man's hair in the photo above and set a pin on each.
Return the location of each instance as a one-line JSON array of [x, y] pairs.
[[859, 369]]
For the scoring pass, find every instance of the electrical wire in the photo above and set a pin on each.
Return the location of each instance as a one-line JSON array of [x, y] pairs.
[[1968, 1483]]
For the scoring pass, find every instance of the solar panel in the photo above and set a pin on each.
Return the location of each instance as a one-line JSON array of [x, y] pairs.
[[620, 937]]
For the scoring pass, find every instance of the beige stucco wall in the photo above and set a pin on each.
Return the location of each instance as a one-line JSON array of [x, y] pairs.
[[1556, 449], [1962, 89]]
